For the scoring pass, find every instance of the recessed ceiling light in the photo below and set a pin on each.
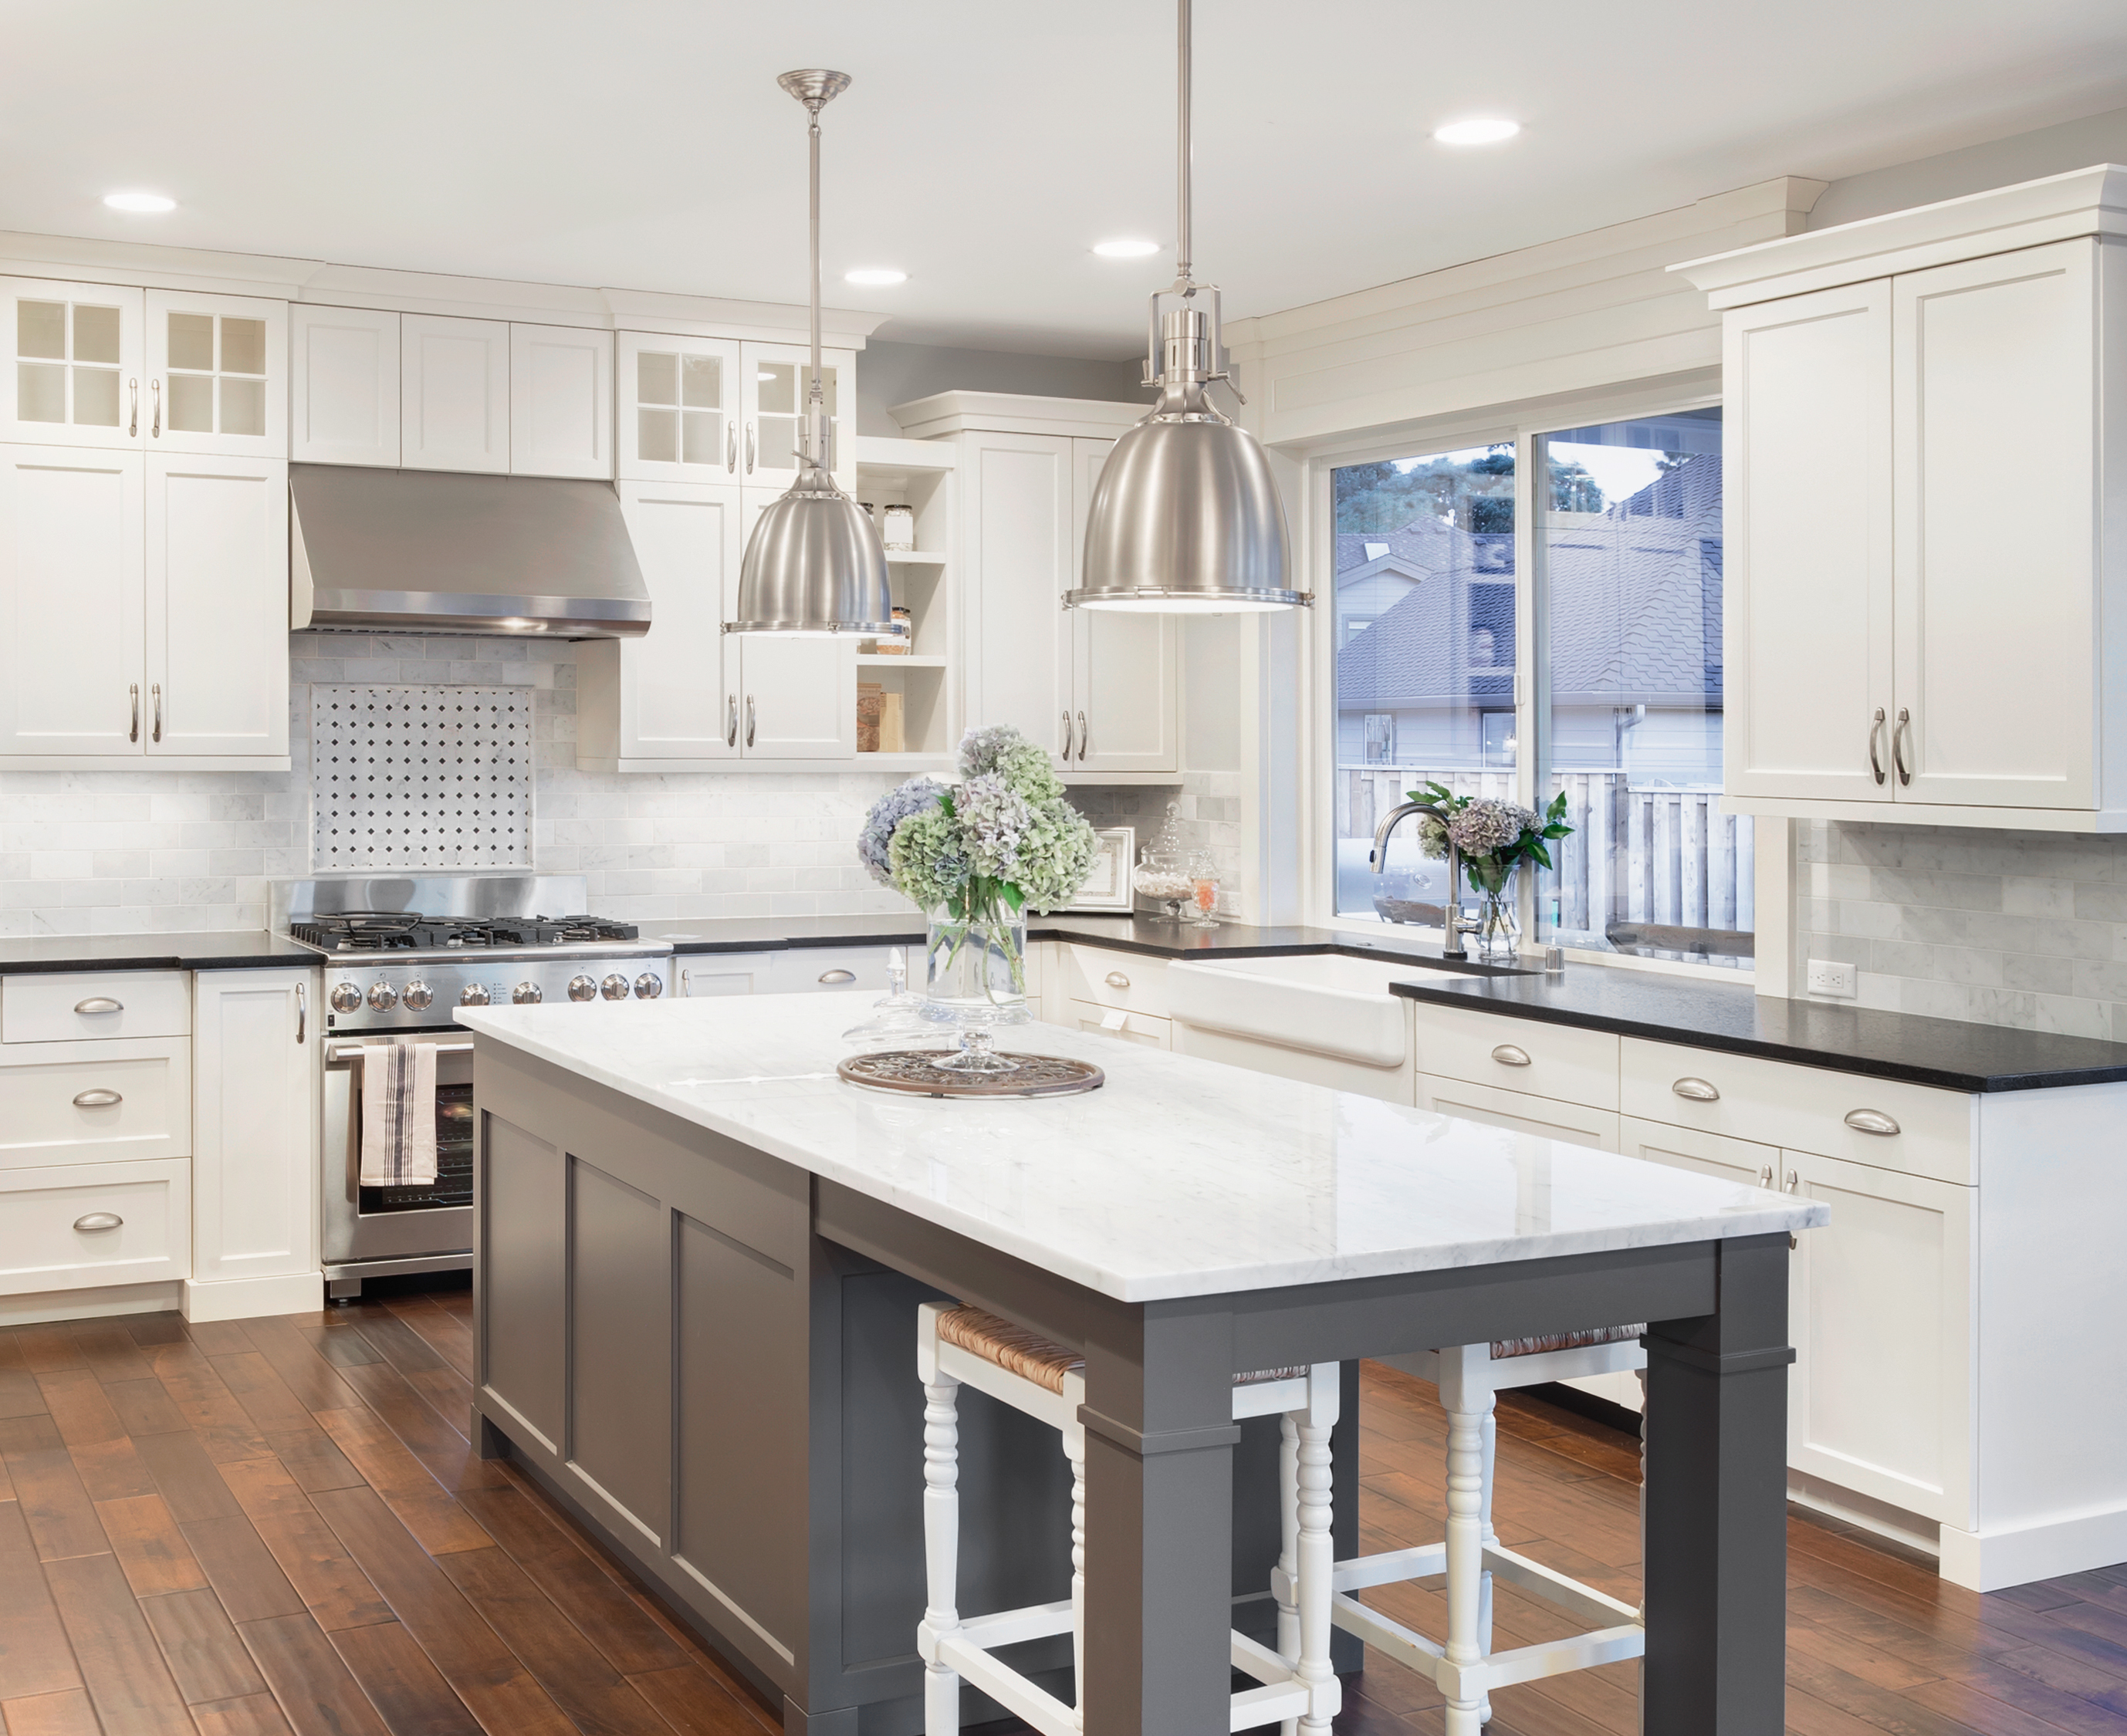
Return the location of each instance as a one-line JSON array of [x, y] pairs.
[[1476, 131], [875, 274], [1124, 248], [139, 202]]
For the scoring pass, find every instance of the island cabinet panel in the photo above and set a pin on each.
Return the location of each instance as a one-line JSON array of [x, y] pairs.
[[522, 1239], [620, 1285]]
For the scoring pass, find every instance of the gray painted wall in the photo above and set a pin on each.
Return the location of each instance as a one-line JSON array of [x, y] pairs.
[[2051, 150], [888, 374]]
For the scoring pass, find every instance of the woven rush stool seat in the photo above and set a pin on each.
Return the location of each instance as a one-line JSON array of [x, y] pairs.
[[966, 1345]]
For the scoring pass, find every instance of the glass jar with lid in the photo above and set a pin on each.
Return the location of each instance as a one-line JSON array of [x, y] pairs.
[[1162, 873]]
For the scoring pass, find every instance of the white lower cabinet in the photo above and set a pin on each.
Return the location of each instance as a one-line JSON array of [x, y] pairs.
[[1108, 1021], [1547, 1118], [77, 1226], [255, 1045], [721, 973], [1709, 1154], [95, 1102]]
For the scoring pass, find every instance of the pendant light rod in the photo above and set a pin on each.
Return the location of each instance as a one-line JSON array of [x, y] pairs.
[[1183, 142], [815, 89]]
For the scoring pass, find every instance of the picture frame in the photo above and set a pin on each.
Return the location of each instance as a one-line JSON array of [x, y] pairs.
[[1107, 887]]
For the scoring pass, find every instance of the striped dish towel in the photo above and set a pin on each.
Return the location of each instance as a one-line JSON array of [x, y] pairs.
[[398, 1114]]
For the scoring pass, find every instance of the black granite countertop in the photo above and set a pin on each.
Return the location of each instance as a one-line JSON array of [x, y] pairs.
[[238, 949]]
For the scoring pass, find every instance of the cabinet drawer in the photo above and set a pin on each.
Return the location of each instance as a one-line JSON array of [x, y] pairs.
[[809, 970], [1805, 1108], [1570, 1123], [94, 1102], [1154, 1034], [60, 1009], [1130, 981], [1518, 1055], [43, 1246]]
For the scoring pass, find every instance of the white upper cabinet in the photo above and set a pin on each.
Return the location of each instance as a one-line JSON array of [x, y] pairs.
[[679, 413], [1926, 449], [561, 401], [1018, 493], [77, 372], [772, 386], [797, 697], [71, 603], [217, 607], [1124, 669], [453, 394], [217, 379], [344, 386]]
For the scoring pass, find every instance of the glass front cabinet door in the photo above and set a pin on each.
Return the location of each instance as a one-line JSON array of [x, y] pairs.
[[217, 374], [772, 383], [76, 376], [678, 408]]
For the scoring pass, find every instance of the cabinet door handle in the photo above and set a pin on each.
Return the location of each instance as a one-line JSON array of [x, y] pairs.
[[838, 976], [685, 977], [730, 720], [302, 1012], [1698, 1091], [1875, 735], [98, 1221], [1764, 1175], [99, 1003], [1898, 746], [749, 449], [749, 720], [1508, 1054], [98, 1099], [133, 733], [1116, 980], [1871, 1121], [1082, 738], [155, 426], [156, 690], [731, 446], [133, 409], [1793, 1185], [1067, 738]]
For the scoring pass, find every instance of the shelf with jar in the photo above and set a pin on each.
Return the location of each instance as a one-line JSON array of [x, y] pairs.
[[908, 701]]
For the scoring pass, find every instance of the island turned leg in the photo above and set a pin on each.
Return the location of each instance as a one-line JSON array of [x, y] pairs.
[[1159, 1476], [1715, 1506]]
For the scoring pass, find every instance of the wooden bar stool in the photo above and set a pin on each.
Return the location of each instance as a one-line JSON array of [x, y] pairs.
[[965, 1346], [1465, 1668]]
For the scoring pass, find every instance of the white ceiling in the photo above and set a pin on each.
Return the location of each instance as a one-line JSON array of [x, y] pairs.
[[984, 146]]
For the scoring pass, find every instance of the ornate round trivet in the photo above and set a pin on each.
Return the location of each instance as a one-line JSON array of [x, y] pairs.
[[917, 1072]]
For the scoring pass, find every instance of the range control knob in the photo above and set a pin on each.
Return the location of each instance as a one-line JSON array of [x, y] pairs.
[[614, 988], [525, 994], [345, 997], [473, 994], [382, 995], [583, 988], [649, 986], [418, 995]]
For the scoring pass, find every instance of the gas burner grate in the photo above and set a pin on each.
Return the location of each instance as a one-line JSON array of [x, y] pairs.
[[388, 931]]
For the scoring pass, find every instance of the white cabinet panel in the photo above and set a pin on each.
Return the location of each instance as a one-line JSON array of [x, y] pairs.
[[95, 1102], [1545, 1117], [1709, 1154], [1881, 1398], [1125, 669], [217, 606], [217, 374], [721, 973], [453, 394], [1807, 487], [95, 1005], [76, 363], [813, 970], [773, 382], [1524, 1055], [1996, 366], [344, 386], [71, 601], [561, 401], [799, 700], [1019, 491], [1142, 1028], [78, 1225], [255, 1160], [679, 419]]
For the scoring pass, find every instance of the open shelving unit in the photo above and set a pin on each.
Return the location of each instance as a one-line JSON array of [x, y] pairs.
[[921, 474]]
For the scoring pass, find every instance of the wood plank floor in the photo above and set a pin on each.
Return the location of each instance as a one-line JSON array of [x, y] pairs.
[[278, 1528]]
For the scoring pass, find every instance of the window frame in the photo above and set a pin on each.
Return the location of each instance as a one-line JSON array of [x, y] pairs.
[[1521, 426]]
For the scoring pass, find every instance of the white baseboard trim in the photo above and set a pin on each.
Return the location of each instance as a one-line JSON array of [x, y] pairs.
[[248, 1299], [1993, 1561], [1912, 1529], [40, 1306]]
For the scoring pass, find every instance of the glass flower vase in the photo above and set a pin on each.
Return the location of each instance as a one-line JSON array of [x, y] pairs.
[[975, 981], [1499, 933]]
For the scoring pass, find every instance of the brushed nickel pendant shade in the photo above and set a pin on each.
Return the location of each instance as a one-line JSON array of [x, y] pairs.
[[1186, 517], [814, 565]]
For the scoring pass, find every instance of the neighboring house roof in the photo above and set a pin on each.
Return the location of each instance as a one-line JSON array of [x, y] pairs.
[[1636, 594]]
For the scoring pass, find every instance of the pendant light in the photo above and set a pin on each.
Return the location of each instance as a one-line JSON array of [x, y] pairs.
[[1185, 518], [814, 564]]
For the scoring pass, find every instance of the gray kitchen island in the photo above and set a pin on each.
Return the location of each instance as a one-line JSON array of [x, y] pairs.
[[698, 1261]]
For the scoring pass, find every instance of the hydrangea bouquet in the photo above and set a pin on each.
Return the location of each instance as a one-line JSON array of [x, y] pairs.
[[1492, 838], [979, 854]]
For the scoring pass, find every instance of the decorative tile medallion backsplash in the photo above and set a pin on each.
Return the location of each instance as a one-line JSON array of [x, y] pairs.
[[420, 777]]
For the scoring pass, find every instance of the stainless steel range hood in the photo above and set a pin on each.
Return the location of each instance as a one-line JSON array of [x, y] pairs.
[[424, 552]]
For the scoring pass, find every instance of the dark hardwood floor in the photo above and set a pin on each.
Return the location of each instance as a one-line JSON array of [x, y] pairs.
[[278, 1528]]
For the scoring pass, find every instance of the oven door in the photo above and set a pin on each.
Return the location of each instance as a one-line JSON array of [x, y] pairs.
[[362, 1224]]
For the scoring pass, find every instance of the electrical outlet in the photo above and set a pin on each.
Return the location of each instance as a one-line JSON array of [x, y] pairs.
[[1826, 976]]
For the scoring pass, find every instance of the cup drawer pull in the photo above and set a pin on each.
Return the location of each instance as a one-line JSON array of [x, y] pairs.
[[1508, 1054], [99, 1003], [98, 1221], [1116, 980], [1698, 1091], [98, 1099], [838, 976], [1871, 1121]]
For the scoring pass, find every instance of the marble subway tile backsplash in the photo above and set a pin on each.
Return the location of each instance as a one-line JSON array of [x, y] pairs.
[[2026, 929]]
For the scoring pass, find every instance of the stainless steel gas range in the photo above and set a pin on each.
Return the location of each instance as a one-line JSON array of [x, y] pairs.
[[401, 955]]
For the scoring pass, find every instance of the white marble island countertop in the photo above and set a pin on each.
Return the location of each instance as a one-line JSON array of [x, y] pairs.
[[1180, 1177]]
